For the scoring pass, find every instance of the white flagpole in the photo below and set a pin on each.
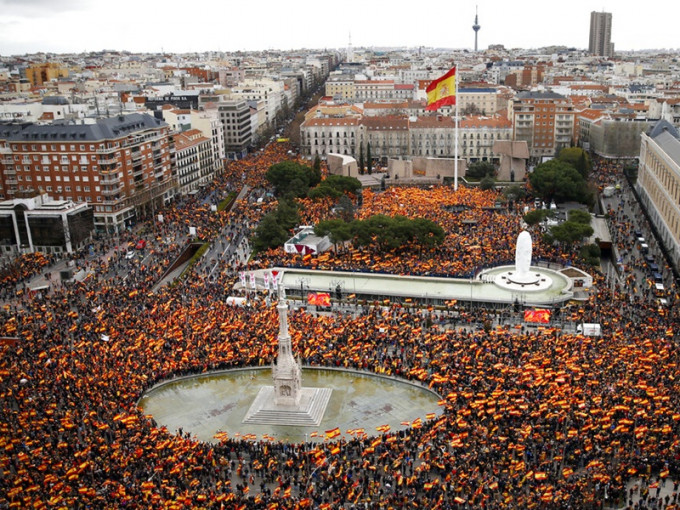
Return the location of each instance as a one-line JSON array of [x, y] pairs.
[[455, 135]]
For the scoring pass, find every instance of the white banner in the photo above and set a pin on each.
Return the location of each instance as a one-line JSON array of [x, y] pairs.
[[242, 275], [266, 280], [252, 280]]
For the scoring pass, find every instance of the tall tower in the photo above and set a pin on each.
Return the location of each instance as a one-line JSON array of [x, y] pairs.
[[286, 371], [601, 34], [476, 27]]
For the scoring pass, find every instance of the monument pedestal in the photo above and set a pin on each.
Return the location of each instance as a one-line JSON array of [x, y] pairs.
[[310, 411]]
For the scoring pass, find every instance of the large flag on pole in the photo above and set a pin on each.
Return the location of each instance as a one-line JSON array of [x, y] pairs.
[[442, 91]]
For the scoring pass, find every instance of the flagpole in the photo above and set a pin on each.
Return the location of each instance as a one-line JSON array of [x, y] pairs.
[[455, 135]]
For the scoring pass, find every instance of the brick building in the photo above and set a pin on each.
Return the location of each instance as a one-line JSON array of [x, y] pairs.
[[118, 165]]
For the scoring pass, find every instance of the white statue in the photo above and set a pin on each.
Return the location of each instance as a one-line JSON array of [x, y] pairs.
[[523, 255]]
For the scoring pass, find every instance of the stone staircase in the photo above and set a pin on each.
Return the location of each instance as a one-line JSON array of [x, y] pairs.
[[264, 411]]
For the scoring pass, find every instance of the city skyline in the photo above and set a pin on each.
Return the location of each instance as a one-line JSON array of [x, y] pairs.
[[74, 26]]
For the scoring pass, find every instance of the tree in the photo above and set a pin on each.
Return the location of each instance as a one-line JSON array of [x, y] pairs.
[[345, 208], [514, 192], [578, 158], [335, 186], [487, 183], [569, 232], [480, 169], [536, 216], [292, 178], [269, 234], [361, 159], [275, 228], [559, 181], [591, 254], [427, 233], [369, 159], [317, 163], [337, 230], [579, 216]]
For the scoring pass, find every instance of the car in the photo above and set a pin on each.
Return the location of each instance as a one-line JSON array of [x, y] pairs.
[[141, 244], [130, 254]]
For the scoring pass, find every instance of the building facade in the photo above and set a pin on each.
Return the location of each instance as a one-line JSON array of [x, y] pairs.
[[235, 117], [395, 136], [545, 121], [658, 183], [42, 224], [194, 166], [119, 165], [600, 42]]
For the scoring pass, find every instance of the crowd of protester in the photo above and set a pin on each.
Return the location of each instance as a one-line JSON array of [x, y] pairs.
[[530, 420]]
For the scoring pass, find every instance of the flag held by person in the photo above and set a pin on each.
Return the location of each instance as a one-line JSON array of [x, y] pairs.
[[442, 91]]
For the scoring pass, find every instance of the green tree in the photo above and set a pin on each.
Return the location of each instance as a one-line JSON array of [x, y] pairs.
[[369, 159], [487, 183], [427, 233], [536, 216], [559, 181], [514, 192], [345, 208], [580, 216], [335, 186], [269, 234], [591, 254], [578, 158], [361, 158], [275, 228], [317, 163], [569, 232], [337, 230], [292, 178], [480, 169]]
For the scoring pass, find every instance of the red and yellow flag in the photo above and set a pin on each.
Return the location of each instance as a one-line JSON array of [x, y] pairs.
[[442, 91]]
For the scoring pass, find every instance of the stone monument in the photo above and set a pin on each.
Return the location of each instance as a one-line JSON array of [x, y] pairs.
[[287, 402]]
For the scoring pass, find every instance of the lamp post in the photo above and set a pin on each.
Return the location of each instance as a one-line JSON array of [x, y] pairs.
[[303, 281]]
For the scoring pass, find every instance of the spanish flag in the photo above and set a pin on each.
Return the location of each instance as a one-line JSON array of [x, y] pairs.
[[442, 91], [330, 434]]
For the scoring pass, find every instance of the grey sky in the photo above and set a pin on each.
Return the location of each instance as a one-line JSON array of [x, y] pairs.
[[174, 26]]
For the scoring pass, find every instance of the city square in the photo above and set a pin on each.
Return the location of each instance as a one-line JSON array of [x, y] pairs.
[[364, 278]]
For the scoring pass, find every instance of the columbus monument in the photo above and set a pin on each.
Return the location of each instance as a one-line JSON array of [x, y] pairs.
[[287, 402]]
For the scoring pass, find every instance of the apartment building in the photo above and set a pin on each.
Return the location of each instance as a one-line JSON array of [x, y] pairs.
[[658, 182], [545, 121], [193, 160], [599, 42], [119, 165]]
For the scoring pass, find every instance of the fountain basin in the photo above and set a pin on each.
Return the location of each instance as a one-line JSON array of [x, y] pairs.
[[206, 404]]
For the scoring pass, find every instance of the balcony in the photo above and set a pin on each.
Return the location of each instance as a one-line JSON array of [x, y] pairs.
[[11, 181], [10, 171], [109, 191], [111, 180]]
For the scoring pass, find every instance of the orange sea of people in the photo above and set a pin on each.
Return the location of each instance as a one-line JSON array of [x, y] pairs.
[[531, 420]]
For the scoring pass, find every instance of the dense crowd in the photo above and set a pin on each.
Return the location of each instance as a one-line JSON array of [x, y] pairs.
[[530, 420]]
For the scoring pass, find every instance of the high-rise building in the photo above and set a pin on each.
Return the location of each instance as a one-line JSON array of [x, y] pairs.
[[601, 34]]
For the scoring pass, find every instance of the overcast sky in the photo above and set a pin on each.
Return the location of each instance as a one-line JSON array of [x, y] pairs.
[[28, 26]]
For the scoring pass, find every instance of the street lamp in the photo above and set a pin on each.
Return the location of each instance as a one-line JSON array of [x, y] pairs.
[[302, 280]]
